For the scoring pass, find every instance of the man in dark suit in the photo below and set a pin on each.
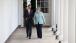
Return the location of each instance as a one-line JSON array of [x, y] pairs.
[[28, 16]]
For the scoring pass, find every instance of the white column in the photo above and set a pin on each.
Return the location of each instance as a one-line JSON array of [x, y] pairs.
[[61, 19], [65, 22], [71, 22], [58, 24], [54, 12]]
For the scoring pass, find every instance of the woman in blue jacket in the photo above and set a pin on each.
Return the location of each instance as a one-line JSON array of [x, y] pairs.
[[39, 20]]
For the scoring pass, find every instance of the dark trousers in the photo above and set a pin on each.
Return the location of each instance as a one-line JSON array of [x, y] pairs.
[[28, 28], [39, 30]]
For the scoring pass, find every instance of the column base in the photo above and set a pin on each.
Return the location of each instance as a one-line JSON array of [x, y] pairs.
[[59, 42], [50, 28], [57, 33], [61, 37], [54, 32], [65, 42], [22, 26], [57, 37], [54, 27]]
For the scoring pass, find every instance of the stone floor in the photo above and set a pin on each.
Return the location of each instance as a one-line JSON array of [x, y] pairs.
[[19, 36]]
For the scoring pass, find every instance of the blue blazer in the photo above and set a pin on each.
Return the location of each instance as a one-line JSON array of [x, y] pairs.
[[39, 18]]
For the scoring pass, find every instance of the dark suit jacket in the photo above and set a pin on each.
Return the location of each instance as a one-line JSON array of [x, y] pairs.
[[26, 15]]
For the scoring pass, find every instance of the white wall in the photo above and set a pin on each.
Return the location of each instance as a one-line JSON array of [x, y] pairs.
[[14, 14], [8, 18], [20, 10], [1, 22]]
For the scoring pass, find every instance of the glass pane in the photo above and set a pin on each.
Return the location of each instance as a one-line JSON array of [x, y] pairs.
[[38, 0], [42, 9], [46, 10], [38, 4], [42, 0], [42, 4], [46, 4]]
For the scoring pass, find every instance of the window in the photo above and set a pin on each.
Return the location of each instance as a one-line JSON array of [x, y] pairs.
[[43, 4]]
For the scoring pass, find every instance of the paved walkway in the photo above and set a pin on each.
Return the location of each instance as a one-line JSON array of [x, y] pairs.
[[19, 36]]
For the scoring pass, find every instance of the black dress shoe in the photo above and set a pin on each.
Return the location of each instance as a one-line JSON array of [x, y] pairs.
[[40, 38], [29, 37]]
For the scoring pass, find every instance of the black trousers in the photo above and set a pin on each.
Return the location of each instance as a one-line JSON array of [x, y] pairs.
[[28, 27], [39, 30]]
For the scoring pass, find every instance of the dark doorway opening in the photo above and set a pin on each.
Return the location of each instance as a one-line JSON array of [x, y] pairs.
[[33, 3], [24, 7]]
